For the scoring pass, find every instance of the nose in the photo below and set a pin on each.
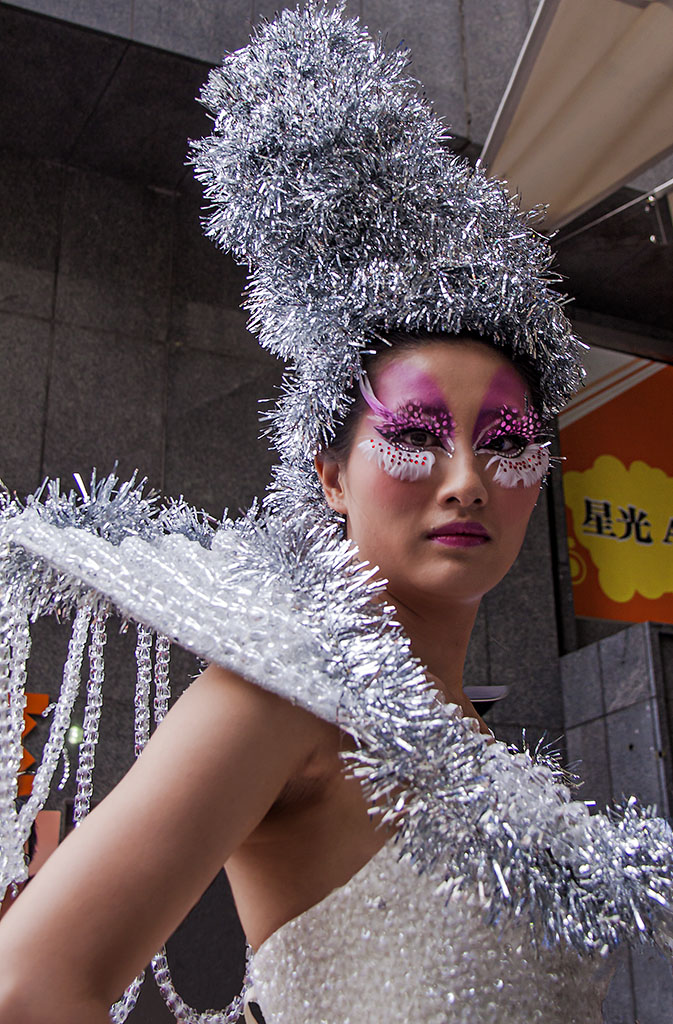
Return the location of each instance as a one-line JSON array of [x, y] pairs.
[[462, 480]]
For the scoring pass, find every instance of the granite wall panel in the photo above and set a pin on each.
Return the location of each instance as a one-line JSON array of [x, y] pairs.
[[115, 257], [588, 757], [52, 77], [626, 668], [115, 18], [494, 33], [619, 1006], [141, 124], [206, 291], [268, 8], [106, 404], [614, 705], [581, 686], [463, 50], [203, 30], [31, 195], [25, 345], [214, 454], [477, 664], [612, 685], [635, 754], [433, 31], [653, 987], [522, 639]]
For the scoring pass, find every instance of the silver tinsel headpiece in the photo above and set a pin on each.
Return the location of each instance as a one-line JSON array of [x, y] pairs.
[[328, 174]]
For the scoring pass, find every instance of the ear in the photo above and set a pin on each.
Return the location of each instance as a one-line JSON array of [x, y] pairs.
[[330, 475]]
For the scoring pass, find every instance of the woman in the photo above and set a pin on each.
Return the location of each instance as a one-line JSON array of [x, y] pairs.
[[327, 174], [268, 794]]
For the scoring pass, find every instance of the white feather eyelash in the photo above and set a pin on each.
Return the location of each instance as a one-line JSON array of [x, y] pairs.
[[398, 462], [528, 468]]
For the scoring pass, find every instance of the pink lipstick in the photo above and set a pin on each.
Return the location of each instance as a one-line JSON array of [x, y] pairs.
[[460, 534]]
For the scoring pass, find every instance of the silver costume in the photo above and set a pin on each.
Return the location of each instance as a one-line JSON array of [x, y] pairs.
[[500, 895]]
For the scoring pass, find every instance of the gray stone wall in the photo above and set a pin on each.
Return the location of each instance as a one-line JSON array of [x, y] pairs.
[[617, 695], [463, 50], [121, 339]]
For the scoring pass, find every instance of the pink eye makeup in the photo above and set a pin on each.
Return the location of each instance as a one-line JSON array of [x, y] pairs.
[[406, 435], [518, 450], [406, 438], [415, 424]]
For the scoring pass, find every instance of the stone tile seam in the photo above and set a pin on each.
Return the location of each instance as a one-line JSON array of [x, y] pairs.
[[610, 714], [52, 324], [464, 71], [601, 677], [99, 98], [656, 719]]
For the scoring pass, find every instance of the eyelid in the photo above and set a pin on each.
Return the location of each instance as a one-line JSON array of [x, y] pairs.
[[394, 436]]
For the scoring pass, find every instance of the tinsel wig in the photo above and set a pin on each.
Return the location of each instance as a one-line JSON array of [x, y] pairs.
[[330, 176]]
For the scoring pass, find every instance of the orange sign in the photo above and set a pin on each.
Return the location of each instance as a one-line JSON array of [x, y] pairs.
[[618, 485], [36, 703]]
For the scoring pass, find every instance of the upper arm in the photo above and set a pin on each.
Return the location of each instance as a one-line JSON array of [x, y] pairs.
[[117, 887]]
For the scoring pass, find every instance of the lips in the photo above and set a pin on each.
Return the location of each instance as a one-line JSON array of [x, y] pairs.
[[460, 534]]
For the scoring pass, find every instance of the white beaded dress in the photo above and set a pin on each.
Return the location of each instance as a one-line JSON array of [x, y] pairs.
[[387, 946]]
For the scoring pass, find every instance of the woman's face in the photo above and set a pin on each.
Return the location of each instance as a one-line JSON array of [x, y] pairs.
[[443, 472]]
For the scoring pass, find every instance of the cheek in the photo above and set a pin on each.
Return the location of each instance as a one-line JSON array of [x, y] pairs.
[[514, 509], [378, 495]]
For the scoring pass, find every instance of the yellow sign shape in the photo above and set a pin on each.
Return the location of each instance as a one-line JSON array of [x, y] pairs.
[[624, 518]]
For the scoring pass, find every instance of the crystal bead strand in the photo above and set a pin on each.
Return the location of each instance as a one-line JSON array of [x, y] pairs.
[[143, 687], [12, 863], [162, 684], [179, 1008], [51, 752], [175, 1003], [65, 774], [120, 1010], [90, 728]]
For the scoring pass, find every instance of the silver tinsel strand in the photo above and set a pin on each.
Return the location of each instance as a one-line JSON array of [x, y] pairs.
[[329, 176], [285, 603]]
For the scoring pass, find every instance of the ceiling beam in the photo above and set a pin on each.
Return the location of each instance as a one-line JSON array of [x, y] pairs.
[[588, 107]]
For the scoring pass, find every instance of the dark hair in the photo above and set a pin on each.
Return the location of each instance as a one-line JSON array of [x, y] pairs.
[[400, 341]]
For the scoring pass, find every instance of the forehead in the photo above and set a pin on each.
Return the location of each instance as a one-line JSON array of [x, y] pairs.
[[463, 376]]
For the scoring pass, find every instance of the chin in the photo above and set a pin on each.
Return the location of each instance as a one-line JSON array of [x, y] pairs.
[[457, 580]]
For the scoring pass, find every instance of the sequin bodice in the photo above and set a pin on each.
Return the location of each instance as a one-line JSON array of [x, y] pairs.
[[388, 947]]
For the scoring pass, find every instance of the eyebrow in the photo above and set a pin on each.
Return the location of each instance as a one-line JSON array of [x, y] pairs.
[[497, 412], [379, 409]]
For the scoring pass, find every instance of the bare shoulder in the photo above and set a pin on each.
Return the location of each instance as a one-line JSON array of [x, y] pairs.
[[262, 716], [209, 776]]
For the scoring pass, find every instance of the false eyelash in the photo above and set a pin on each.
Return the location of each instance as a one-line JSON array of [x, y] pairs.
[[412, 416], [397, 462], [529, 468], [528, 426]]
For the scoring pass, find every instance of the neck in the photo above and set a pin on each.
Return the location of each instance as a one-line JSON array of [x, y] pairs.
[[439, 638]]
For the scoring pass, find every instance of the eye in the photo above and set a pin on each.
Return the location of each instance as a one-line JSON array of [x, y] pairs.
[[416, 438], [509, 445]]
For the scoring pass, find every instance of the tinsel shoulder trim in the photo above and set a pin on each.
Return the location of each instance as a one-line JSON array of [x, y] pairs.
[[246, 595], [285, 603]]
